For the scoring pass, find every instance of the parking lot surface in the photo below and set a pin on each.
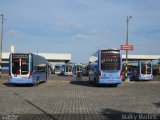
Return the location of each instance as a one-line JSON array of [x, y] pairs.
[[60, 98]]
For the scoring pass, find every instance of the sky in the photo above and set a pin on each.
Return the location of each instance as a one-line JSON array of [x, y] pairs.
[[80, 27]]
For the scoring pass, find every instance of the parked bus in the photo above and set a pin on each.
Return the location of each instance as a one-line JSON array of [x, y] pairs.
[[5, 66], [145, 70], [107, 68], [59, 68], [140, 70], [77, 68], [69, 69], [27, 68]]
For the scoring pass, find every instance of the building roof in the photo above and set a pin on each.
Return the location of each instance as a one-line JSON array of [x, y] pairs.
[[141, 57], [48, 56]]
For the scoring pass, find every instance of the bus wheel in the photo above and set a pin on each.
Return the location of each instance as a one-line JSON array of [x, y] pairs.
[[115, 85], [13, 85], [89, 80], [36, 82], [95, 81]]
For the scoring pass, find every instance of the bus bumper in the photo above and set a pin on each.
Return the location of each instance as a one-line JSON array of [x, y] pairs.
[[66, 74], [146, 78], [21, 80], [109, 81]]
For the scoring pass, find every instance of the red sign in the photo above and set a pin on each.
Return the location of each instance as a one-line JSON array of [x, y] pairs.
[[126, 47]]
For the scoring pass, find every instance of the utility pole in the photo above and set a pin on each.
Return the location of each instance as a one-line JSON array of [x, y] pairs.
[[126, 75], [2, 20]]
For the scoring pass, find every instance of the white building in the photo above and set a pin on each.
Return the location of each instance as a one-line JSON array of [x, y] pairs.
[[53, 58]]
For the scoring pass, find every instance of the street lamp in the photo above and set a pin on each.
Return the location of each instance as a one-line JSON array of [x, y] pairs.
[[2, 17], [128, 19]]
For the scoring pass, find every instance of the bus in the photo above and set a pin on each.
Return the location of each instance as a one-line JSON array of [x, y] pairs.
[[69, 69], [140, 70], [59, 68], [107, 67], [27, 68], [77, 68], [146, 70], [5, 66]]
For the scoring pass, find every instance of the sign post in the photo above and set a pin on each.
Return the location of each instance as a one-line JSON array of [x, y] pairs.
[[126, 47]]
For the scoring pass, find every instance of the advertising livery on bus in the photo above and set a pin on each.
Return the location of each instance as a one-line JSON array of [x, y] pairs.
[[107, 67], [27, 68]]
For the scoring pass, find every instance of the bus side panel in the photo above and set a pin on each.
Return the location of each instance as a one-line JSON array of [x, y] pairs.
[[39, 75]]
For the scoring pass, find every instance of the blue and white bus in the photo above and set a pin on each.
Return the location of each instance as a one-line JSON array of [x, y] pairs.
[[5, 66], [107, 67], [146, 70], [77, 68], [69, 69], [140, 70], [59, 69], [27, 68]]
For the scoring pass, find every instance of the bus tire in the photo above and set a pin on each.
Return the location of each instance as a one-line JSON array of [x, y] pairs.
[[12, 84], [89, 79], [95, 81], [114, 85], [36, 82]]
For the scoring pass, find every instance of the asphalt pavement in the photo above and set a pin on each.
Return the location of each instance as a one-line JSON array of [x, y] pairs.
[[75, 98]]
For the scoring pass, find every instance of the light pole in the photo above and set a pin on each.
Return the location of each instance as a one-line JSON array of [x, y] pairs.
[[2, 17], [128, 19]]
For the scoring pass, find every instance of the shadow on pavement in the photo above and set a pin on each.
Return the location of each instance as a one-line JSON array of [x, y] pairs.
[[157, 104], [82, 83], [17, 85], [88, 84]]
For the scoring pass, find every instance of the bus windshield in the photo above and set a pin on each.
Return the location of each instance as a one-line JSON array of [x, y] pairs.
[[110, 60], [57, 68], [20, 64], [145, 68]]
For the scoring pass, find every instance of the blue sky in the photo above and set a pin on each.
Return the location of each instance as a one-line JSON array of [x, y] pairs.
[[80, 27]]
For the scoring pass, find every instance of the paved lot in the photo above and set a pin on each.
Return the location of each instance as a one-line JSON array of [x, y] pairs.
[[59, 98]]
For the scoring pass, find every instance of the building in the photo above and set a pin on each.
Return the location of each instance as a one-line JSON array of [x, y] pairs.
[[53, 58], [132, 57]]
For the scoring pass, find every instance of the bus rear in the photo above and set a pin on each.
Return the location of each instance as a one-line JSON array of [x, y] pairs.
[[69, 69], [145, 68], [20, 70], [110, 66], [58, 69]]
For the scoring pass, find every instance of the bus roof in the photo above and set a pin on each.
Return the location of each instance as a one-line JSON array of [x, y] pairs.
[[109, 49]]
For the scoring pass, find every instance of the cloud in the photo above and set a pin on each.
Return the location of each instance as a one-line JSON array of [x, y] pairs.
[[16, 34], [64, 25], [80, 37], [12, 33]]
